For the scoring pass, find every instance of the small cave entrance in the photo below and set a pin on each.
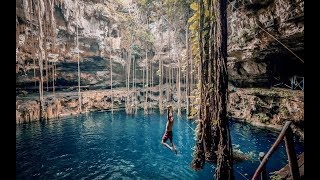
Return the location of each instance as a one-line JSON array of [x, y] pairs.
[[286, 70], [114, 33]]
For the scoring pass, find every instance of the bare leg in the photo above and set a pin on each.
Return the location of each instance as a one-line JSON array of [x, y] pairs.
[[167, 145], [174, 148]]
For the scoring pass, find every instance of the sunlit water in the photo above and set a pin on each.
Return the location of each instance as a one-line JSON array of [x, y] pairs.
[[102, 146]]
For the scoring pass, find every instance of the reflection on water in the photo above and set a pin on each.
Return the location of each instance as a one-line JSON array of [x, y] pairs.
[[101, 145]]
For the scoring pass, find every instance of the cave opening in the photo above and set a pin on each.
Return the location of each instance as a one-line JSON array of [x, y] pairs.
[[286, 70], [114, 33]]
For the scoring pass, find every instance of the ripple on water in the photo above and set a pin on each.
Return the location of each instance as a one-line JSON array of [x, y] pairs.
[[102, 146]]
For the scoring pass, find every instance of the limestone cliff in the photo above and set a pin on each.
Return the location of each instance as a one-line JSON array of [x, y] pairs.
[[256, 29], [99, 33], [255, 57], [267, 107]]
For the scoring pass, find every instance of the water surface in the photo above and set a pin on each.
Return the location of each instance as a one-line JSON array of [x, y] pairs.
[[100, 145]]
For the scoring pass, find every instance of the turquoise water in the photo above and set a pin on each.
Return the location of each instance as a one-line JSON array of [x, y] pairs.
[[119, 146]]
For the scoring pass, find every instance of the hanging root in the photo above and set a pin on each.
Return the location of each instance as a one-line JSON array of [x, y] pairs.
[[198, 154]]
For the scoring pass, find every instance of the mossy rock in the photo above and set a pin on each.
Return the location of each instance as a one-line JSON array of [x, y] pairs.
[[263, 118], [275, 177]]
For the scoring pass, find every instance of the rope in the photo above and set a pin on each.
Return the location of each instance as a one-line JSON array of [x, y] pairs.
[[281, 44], [191, 128], [241, 174], [273, 37]]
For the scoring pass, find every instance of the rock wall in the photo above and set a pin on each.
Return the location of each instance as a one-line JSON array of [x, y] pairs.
[[267, 107], [255, 57], [65, 104], [99, 33], [262, 107]]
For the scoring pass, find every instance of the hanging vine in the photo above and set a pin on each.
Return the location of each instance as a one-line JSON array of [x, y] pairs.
[[209, 47]]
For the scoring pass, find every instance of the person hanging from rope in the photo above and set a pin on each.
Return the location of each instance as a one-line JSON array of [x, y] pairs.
[[168, 133]]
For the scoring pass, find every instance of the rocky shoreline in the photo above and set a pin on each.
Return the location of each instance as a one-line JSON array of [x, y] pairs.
[[268, 108]]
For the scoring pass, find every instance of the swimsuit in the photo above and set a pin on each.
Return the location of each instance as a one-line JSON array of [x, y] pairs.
[[167, 134]]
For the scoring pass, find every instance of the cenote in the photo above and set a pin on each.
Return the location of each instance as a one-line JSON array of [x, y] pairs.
[[100, 145]]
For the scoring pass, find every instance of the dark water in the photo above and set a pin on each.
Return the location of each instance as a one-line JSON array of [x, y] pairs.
[[102, 146]]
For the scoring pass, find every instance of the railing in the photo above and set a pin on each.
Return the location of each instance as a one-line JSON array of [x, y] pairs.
[[296, 82], [287, 135]]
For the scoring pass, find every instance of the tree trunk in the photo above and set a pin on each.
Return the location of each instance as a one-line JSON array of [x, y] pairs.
[[199, 154], [224, 168], [207, 88], [213, 129]]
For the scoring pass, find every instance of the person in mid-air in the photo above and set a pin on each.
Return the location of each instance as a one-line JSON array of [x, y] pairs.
[[168, 133]]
